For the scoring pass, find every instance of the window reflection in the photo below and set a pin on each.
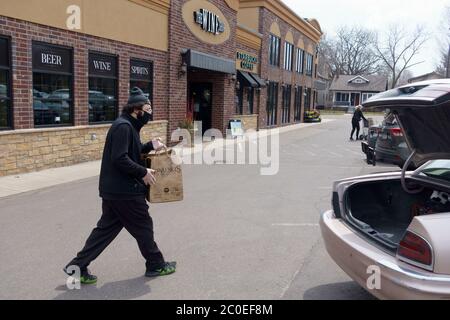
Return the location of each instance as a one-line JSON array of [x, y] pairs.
[[102, 99], [52, 96]]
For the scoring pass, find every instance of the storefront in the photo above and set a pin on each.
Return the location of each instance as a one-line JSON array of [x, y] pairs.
[[211, 61]]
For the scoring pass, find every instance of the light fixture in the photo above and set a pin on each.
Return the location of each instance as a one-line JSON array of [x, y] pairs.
[[233, 77], [183, 68]]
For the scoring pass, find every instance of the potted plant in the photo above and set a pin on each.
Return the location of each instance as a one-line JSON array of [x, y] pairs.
[[312, 116], [188, 124]]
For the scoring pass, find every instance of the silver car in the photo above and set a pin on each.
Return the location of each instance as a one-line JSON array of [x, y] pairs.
[[398, 223]]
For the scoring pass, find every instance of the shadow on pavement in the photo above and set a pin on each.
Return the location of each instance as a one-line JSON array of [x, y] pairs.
[[338, 291], [120, 290]]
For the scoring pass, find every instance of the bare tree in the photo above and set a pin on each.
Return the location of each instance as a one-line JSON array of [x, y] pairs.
[[406, 75], [351, 52], [398, 48], [443, 67]]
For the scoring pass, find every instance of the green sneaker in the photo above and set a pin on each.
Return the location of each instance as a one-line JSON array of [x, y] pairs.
[[87, 278], [165, 270]]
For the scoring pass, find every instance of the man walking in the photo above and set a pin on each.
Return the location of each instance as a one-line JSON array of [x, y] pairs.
[[124, 182]]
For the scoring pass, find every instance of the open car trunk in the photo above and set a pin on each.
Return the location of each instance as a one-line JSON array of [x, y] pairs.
[[383, 211]]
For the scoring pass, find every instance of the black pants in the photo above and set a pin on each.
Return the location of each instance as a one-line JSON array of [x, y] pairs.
[[117, 214], [355, 126]]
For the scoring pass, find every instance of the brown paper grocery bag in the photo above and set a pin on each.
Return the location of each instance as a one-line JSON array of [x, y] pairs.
[[169, 178]]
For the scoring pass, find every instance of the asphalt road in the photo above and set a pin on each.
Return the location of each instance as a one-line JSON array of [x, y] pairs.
[[238, 235]]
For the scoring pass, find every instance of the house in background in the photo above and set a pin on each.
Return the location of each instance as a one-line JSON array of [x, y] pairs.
[[351, 90], [424, 77]]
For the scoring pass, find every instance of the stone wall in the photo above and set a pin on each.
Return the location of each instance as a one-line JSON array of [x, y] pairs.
[[37, 149]]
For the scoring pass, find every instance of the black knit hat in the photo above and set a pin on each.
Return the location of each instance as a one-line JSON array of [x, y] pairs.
[[137, 97]]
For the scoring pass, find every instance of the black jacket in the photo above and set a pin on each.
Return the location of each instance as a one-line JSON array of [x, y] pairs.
[[357, 116], [122, 169]]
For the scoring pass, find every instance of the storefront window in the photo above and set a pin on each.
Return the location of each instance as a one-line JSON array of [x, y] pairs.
[[309, 64], [272, 103], [288, 56], [52, 85], [102, 88], [240, 99], [250, 99], [300, 60], [274, 50], [298, 104], [141, 76], [5, 85], [286, 112], [308, 93]]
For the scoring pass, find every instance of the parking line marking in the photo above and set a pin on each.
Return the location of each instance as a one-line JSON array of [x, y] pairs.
[[295, 224]]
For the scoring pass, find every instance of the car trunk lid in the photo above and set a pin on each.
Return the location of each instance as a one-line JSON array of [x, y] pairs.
[[423, 111]]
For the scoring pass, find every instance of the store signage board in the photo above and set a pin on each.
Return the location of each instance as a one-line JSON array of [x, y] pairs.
[[52, 58], [141, 70], [206, 21], [4, 52], [236, 128], [247, 62], [102, 65], [209, 21]]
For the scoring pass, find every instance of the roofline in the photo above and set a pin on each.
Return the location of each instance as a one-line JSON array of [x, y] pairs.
[[424, 75], [358, 77], [287, 14], [427, 82]]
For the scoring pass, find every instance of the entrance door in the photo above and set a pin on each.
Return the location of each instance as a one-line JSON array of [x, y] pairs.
[[201, 103], [355, 99]]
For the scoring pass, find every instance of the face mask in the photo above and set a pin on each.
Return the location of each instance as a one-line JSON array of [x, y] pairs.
[[144, 118]]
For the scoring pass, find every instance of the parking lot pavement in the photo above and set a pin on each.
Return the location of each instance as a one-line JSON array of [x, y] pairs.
[[237, 235]]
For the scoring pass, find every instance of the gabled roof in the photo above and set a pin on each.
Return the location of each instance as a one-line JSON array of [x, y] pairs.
[[372, 83], [427, 76]]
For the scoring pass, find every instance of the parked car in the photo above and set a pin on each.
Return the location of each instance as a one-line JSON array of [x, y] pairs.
[[391, 146], [368, 146], [399, 222], [101, 107], [387, 143], [58, 105]]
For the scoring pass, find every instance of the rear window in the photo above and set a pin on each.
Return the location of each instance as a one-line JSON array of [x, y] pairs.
[[438, 169]]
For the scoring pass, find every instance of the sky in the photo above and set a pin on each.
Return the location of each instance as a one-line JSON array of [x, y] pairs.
[[377, 15]]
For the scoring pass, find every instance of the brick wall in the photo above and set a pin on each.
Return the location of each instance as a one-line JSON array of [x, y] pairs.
[[37, 149], [278, 74], [180, 37], [22, 34], [27, 149]]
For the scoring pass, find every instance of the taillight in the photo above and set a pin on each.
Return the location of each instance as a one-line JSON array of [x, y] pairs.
[[415, 250], [396, 132]]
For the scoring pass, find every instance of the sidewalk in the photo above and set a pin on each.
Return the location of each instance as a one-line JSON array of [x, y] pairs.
[[16, 184]]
